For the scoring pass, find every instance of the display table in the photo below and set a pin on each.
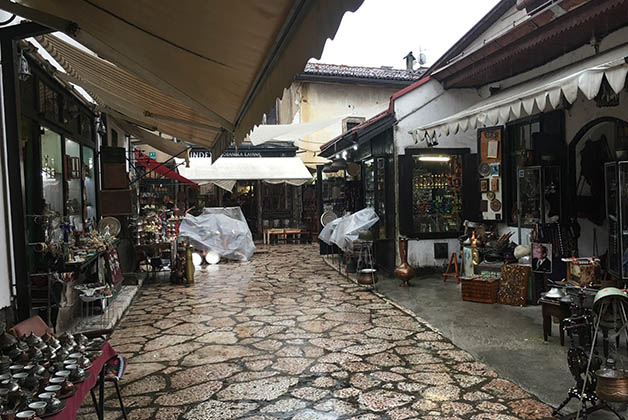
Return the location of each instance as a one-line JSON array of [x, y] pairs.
[[550, 308], [73, 403], [281, 234]]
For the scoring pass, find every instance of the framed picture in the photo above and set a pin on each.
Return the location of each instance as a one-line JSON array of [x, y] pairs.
[[495, 184], [483, 185], [484, 206], [495, 169], [541, 257]]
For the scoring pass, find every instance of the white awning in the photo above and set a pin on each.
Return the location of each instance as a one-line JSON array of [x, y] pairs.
[[226, 60], [268, 169], [538, 95], [290, 132]]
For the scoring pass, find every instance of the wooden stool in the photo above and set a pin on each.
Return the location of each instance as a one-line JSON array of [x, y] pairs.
[[560, 310], [454, 259]]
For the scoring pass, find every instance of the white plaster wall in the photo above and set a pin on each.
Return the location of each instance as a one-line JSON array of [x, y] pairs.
[[429, 103], [426, 104], [319, 101]]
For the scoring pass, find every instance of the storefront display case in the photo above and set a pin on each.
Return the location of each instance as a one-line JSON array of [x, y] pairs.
[[539, 195], [437, 184], [616, 181], [375, 192]]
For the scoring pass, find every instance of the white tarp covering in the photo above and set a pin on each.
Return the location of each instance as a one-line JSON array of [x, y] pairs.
[[270, 169], [538, 95], [220, 229], [345, 230]]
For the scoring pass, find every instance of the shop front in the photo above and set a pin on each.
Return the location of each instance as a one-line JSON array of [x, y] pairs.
[[59, 163], [361, 175], [551, 171], [268, 182]]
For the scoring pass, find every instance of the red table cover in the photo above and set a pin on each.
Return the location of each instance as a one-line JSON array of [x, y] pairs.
[[73, 403]]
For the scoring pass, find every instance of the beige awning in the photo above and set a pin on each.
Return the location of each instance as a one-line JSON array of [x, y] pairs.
[[538, 95], [180, 150], [227, 60]]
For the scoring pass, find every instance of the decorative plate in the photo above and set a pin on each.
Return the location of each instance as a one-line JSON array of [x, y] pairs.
[[327, 217], [490, 195], [484, 169], [496, 205], [112, 223]]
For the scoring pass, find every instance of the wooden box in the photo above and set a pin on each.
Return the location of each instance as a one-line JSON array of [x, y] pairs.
[[114, 176], [477, 289], [116, 202]]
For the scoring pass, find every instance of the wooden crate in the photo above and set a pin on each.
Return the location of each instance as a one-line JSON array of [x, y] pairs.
[[475, 289]]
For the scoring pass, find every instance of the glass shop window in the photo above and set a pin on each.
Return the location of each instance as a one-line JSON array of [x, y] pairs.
[[73, 177], [89, 185], [52, 172], [49, 103], [437, 193]]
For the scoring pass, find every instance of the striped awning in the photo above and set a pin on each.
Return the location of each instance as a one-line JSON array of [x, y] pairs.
[[544, 93], [115, 89], [226, 60]]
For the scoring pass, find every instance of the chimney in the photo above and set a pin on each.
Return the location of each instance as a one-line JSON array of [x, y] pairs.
[[410, 60]]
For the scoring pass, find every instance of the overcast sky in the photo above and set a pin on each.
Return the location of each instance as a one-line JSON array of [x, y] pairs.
[[382, 32]]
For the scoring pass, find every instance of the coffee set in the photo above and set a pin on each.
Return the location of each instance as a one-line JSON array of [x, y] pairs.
[[38, 373]]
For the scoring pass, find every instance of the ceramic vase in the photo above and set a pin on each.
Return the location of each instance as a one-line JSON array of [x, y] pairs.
[[405, 271]]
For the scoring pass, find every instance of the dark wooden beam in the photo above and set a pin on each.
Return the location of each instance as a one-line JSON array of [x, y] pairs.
[[16, 206], [24, 30]]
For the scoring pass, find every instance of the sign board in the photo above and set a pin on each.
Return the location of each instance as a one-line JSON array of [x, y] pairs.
[[152, 155]]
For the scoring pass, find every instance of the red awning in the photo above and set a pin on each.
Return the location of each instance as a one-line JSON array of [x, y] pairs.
[[162, 169]]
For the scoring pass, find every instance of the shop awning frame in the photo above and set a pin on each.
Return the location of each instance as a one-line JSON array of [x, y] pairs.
[[160, 168], [541, 94], [228, 61]]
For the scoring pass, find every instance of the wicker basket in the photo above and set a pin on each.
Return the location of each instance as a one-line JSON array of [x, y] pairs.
[[476, 289]]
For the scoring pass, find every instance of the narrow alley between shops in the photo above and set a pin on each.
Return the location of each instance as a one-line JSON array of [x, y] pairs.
[[284, 336]]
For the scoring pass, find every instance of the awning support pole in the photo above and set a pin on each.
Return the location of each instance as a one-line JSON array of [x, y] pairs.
[[160, 165]]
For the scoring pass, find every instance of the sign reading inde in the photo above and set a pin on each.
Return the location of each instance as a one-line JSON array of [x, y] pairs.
[[200, 154]]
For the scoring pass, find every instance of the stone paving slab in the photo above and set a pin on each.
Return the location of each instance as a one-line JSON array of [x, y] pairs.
[[286, 337]]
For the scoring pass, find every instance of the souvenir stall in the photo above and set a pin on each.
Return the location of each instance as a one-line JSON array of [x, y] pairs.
[[72, 260], [164, 196]]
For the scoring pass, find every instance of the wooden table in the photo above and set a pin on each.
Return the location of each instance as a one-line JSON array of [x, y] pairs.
[[281, 234], [550, 308]]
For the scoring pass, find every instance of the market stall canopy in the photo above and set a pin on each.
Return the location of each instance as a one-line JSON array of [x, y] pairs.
[[538, 95], [161, 169], [269, 169], [227, 60]]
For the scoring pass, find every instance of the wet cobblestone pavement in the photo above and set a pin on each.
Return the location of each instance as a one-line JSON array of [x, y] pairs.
[[286, 337]]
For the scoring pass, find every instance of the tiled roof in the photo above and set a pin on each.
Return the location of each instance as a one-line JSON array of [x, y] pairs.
[[358, 72]]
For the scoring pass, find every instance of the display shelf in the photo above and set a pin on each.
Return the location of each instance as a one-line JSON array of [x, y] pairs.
[[616, 184]]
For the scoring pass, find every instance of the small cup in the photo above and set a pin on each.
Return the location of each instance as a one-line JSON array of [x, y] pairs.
[[16, 368], [54, 388], [20, 377], [63, 373], [46, 396], [39, 407], [57, 380], [26, 414]]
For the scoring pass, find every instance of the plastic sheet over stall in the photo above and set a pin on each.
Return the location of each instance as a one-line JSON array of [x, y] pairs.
[[220, 229], [345, 230]]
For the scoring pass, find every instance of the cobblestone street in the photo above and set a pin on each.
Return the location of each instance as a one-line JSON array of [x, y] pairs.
[[286, 337]]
